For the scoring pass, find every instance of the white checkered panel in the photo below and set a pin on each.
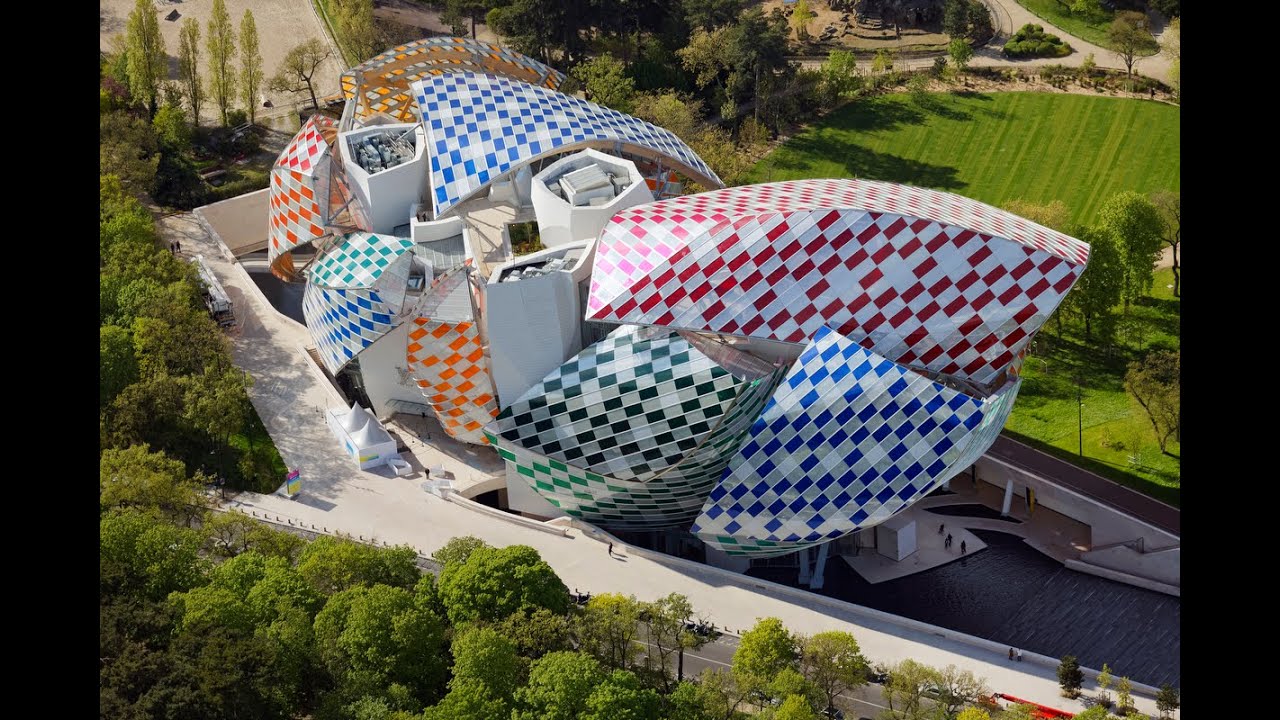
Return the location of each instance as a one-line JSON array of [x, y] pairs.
[[480, 126], [777, 261], [849, 439]]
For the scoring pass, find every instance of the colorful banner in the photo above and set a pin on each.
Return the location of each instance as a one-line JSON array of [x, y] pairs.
[[292, 483]]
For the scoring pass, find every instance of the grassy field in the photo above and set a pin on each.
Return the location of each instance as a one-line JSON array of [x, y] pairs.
[[1092, 29], [1040, 147], [994, 147], [266, 470]]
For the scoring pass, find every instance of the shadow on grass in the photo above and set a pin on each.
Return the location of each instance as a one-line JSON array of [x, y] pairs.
[[1163, 493], [862, 162]]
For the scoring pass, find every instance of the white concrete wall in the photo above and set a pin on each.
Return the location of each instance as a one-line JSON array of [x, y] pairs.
[[533, 326], [388, 195], [522, 498], [431, 230], [1164, 565], [378, 364], [720, 559], [559, 222], [896, 540]]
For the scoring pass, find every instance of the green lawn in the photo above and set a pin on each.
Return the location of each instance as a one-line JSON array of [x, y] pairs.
[[1092, 29], [994, 147], [265, 470]]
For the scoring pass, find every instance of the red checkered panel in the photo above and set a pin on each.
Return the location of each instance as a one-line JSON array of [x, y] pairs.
[[297, 197], [891, 266]]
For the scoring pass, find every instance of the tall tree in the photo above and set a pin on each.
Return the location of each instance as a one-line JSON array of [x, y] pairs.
[[138, 478], [800, 17], [1130, 36], [250, 64], [147, 63], [621, 697], [485, 656], [189, 66], [355, 24], [558, 688], [764, 651], [605, 80], [710, 14], [1136, 225], [1101, 285], [222, 55], [1167, 700], [127, 150], [458, 549], [665, 632], [955, 18], [1170, 206], [1155, 383], [608, 629], [537, 632], [332, 565], [975, 713], [833, 662], [1124, 695], [299, 67], [961, 53], [496, 582], [957, 688], [117, 367], [909, 681]]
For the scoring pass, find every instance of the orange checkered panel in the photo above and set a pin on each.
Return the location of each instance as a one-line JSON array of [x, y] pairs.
[[448, 363]]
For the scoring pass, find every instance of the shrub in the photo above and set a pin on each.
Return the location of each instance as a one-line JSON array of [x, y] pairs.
[[1031, 41]]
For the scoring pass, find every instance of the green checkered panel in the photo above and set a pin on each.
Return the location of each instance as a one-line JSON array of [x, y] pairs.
[[357, 259]]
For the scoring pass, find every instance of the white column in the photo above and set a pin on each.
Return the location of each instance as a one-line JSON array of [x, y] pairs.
[[819, 567], [803, 554], [1008, 497]]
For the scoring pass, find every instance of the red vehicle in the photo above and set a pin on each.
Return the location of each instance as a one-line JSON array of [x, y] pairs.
[[1041, 711]]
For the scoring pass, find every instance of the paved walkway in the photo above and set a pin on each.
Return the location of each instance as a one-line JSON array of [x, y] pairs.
[[289, 396]]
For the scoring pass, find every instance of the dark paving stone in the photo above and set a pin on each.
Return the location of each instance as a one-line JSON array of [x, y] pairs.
[[283, 296], [1012, 594], [971, 510]]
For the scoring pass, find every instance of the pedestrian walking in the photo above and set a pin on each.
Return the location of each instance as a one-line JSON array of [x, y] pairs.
[[177, 245], [610, 549], [1011, 653], [947, 542], [963, 550], [1019, 656], [940, 527]]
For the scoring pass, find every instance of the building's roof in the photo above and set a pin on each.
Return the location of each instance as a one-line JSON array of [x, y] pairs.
[[297, 202], [357, 260], [449, 365], [479, 127], [344, 322], [849, 439], [924, 277], [381, 83]]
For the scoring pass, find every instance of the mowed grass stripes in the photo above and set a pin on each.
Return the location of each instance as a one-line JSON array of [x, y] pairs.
[[994, 147]]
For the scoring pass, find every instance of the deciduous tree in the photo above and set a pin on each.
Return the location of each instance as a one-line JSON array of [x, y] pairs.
[[135, 477], [608, 629], [537, 631], [483, 655], [833, 662], [558, 688], [189, 66], [764, 651], [960, 52], [250, 65], [221, 39], [299, 67], [1053, 214], [663, 622], [331, 565], [621, 697], [957, 688], [355, 24], [1130, 37], [909, 681], [800, 17], [710, 14], [127, 149], [1101, 285], [494, 583], [605, 80], [1167, 700], [1155, 383], [1169, 204], [1136, 225], [147, 62]]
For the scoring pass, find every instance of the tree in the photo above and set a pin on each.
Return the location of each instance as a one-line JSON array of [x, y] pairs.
[[483, 655], [250, 65], [222, 54], [957, 688], [794, 707], [1136, 225], [1169, 205], [664, 626], [537, 631], [1095, 712], [839, 77], [975, 713], [1101, 285], [127, 150], [371, 637], [764, 651], [1022, 712], [558, 688], [833, 662], [494, 583], [710, 14], [909, 681], [955, 18], [147, 63], [1124, 695], [1168, 8], [299, 67], [189, 65], [1104, 682], [1130, 36], [606, 82], [882, 62], [961, 52], [1054, 214], [1070, 676], [332, 565], [607, 629], [145, 556], [1086, 8], [458, 549], [800, 18], [621, 697], [135, 477], [1155, 383], [1167, 700], [1172, 48], [355, 26], [171, 128], [117, 367]]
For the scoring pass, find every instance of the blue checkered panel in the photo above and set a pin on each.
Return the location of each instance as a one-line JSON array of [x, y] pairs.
[[480, 126], [849, 439], [344, 322]]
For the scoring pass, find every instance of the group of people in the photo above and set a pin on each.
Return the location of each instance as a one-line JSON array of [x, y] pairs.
[[1015, 654], [946, 544], [175, 247]]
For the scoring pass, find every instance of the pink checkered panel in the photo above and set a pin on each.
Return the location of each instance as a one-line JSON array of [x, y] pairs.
[[297, 199], [919, 276]]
